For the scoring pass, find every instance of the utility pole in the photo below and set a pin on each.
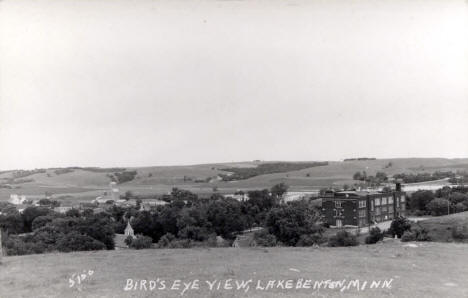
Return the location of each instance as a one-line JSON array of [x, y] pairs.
[[1, 244]]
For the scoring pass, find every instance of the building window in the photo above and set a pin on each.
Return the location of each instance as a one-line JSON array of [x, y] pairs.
[[338, 212], [377, 202], [372, 205], [362, 222], [403, 207], [377, 211], [362, 213], [390, 209], [384, 201], [337, 204], [390, 200], [362, 204], [384, 209], [339, 223], [402, 198]]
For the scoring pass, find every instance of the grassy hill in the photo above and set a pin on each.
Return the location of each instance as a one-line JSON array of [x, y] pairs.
[[82, 183], [429, 270], [440, 228]]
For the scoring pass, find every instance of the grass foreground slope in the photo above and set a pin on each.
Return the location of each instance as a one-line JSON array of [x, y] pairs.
[[413, 270]]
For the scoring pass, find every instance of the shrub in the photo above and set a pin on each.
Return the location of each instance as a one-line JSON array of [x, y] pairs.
[[459, 232], [310, 239], [140, 242], [180, 243], [398, 226], [264, 238], [421, 234], [165, 240], [375, 235], [408, 236], [128, 240], [343, 238], [415, 234]]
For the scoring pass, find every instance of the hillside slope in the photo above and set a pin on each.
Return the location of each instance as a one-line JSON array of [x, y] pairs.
[[202, 178], [429, 270]]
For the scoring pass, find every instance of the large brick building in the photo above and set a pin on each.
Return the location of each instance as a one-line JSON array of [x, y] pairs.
[[362, 208]]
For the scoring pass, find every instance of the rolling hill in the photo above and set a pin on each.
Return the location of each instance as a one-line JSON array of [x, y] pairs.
[[82, 183]]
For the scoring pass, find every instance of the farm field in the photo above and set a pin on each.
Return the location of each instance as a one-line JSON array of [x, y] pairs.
[[414, 269], [81, 184]]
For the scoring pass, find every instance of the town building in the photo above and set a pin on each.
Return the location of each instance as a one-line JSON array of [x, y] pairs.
[[129, 230], [17, 199], [110, 195], [362, 208]]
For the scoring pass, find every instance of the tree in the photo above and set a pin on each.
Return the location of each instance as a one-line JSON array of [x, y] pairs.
[[438, 206], [381, 176], [73, 213], [398, 226], [41, 221], [75, 241], [386, 189], [375, 235], [420, 199], [99, 228], [288, 223], [128, 195], [12, 223], [30, 213], [225, 216], [278, 190]]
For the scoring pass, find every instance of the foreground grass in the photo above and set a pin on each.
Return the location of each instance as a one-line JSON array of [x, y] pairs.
[[429, 270]]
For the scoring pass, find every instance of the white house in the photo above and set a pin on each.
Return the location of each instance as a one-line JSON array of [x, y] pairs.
[[17, 199]]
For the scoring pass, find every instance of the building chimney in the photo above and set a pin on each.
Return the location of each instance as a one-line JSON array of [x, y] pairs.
[[398, 185]]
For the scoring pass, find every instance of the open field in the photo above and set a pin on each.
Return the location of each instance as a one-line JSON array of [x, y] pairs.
[[429, 270], [83, 184]]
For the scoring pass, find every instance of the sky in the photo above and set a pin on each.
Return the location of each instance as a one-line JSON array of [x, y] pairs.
[[146, 83]]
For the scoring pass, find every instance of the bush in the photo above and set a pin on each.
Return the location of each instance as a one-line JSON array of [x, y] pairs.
[[310, 239], [408, 236], [398, 226], [375, 235], [128, 240], [180, 243], [343, 238], [170, 241], [263, 238], [415, 234], [459, 232], [166, 240], [140, 242]]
